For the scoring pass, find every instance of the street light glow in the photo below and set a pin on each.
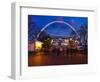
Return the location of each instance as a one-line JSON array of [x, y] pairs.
[[38, 45]]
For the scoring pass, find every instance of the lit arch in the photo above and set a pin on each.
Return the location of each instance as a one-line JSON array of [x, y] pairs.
[[47, 25]]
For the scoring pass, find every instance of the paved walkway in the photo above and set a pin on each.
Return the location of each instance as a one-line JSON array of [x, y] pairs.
[[40, 59]]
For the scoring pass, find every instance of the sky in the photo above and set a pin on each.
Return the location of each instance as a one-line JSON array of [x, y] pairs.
[[37, 22]]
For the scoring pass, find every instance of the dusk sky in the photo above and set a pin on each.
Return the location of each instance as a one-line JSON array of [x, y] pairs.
[[37, 22]]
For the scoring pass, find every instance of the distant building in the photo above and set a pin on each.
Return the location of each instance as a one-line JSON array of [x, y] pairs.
[[31, 46]]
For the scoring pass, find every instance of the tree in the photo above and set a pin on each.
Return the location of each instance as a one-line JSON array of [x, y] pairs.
[[83, 32]]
